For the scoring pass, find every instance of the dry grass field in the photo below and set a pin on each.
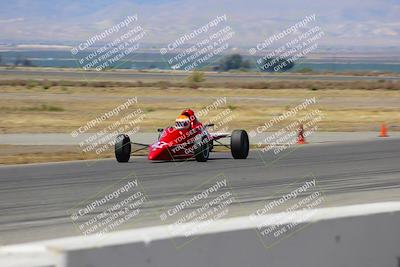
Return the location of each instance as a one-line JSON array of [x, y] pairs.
[[62, 107], [348, 106]]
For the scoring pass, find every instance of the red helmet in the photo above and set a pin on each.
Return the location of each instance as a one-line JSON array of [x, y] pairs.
[[190, 114]]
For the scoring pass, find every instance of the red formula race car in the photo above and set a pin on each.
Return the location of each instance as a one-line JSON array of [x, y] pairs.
[[188, 139]]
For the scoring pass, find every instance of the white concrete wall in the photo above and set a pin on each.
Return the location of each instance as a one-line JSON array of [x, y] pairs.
[[363, 235]]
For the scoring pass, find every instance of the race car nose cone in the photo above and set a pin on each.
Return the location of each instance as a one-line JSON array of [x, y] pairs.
[[157, 154], [152, 156]]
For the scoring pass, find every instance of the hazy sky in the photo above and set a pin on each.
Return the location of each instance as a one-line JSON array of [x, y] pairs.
[[345, 22]]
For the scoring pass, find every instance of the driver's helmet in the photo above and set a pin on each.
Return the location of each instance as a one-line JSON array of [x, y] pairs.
[[190, 114], [182, 122]]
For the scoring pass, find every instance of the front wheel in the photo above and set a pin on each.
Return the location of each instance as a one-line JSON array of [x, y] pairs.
[[239, 144], [123, 148], [201, 148]]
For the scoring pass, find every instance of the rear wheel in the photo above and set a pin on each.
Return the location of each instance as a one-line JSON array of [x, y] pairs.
[[201, 148], [123, 148], [239, 144]]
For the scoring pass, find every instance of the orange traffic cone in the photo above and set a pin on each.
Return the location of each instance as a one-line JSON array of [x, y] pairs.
[[383, 131], [300, 135]]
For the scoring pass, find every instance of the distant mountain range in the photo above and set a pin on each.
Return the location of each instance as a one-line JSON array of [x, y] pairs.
[[345, 22]]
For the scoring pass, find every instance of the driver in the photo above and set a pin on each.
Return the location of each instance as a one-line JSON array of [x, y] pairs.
[[182, 122]]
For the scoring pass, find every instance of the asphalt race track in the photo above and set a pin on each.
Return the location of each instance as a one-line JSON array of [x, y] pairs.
[[35, 199]]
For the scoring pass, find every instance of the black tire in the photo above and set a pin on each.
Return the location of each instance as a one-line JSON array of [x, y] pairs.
[[123, 148], [211, 145], [239, 144], [201, 148]]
